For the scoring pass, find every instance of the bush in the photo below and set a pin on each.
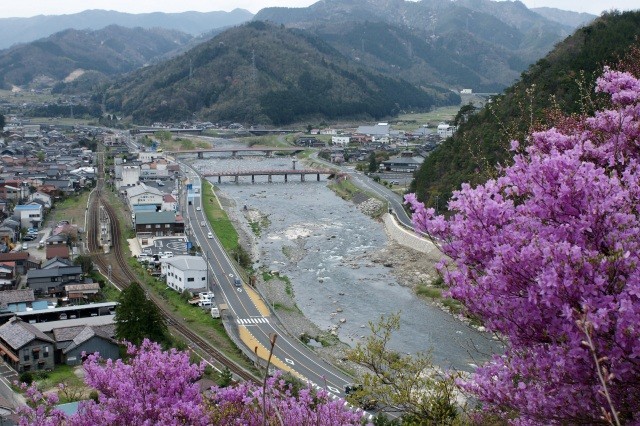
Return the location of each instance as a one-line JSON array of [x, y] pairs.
[[26, 377]]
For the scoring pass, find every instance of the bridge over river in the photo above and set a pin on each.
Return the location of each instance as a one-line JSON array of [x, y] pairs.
[[254, 150], [270, 173]]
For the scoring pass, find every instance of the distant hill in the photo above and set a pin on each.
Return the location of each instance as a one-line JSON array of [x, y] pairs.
[[479, 44], [21, 30], [482, 140], [266, 74], [573, 19], [70, 53]]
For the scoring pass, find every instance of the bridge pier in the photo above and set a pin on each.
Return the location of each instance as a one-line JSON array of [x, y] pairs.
[[301, 177], [219, 179], [268, 154], [237, 178], [318, 177], [253, 178], [269, 179], [286, 178], [201, 155], [234, 154]]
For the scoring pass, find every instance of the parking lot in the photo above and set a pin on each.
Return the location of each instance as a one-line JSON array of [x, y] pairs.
[[166, 247]]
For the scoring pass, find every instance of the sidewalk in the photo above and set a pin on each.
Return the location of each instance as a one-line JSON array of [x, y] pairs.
[[408, 238]]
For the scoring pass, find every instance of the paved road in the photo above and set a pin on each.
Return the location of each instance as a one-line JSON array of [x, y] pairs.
[[251, 315], [365, 182]]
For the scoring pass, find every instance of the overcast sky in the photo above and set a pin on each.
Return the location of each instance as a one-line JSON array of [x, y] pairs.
[[25, 8]]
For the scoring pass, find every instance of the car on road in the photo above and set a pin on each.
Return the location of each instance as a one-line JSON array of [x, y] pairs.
[[198, 208], [25, 246], [209, 235], [29, 237], [202, 223], [238, 282]]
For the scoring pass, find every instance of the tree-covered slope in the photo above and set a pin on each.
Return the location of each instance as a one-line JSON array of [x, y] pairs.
[[261, 73], [560, 80], [109, 51], [478, 44]]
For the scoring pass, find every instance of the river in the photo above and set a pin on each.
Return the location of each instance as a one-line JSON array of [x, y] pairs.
[[323, 244]]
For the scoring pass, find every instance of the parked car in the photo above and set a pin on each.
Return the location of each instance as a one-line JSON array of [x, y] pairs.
[[25, 246], [29, 237]]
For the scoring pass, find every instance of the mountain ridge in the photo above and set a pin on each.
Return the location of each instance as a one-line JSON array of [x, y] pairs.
[[23, 30]]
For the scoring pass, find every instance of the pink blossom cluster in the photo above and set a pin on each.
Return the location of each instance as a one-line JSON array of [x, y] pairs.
[[548, 253], [155, 387]]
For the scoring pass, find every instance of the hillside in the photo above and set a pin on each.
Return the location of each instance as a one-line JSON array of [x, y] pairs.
[[70, 53], [478, 44], [23, 30], [483, 141], [264, 74]]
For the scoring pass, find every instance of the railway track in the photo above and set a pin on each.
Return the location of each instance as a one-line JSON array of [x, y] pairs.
[[122, 275]]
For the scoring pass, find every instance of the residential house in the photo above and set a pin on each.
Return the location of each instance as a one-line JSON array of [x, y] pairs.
[[16, 300], [30, 215], [169, 203], [24, 348], [59, 251], [185, 273], [44, 198], [72, 342], [21, 260], [51, 281], [81, 292], [158, 224], [7, 276]]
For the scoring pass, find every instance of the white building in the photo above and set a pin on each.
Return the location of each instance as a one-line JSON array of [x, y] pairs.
[[340, 140], [149, 156], [446, 130], [142, 194], [130, 174], [30, 214], [185, 273]]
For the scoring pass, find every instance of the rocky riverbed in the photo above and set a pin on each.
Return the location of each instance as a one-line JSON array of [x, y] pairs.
[[410, 268]]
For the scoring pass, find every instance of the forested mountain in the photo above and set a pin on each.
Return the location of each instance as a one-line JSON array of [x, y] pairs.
[[560, 80], [21, 30], [70, 53], [565, 17], [262, 73], [478, 44]]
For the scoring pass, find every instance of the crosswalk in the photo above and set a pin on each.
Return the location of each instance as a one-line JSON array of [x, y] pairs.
[[252, 321]]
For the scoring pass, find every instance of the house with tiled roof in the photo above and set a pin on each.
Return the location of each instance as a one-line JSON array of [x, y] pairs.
[[72, 342], [50, 281], [169, 203], [21, 259], [10, 299], [59, 251], [24, 347]]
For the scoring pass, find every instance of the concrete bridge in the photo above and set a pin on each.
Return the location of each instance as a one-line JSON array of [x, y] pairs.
[[254, 150], [269, 173]]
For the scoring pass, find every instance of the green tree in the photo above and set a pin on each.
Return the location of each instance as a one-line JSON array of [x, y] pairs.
[[85, 262], [163, 135], [138, 317], [373, 163], [396, 382]]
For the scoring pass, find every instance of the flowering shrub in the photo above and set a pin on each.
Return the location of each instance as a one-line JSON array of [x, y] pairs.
[[156, 387], [548, 255]]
